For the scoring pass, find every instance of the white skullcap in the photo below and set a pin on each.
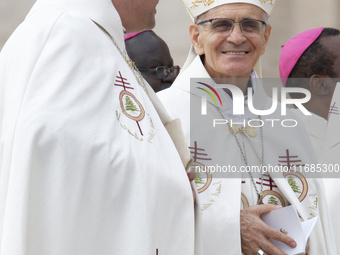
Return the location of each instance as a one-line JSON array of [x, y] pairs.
[[198, 7]]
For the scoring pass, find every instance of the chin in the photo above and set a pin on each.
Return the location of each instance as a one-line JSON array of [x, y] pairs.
[[238, 71], [151, 23], [148, 24]]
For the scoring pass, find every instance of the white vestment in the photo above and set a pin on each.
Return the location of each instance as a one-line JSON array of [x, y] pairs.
[[316, 127], [87, 167], [221, 197], [331, 158]]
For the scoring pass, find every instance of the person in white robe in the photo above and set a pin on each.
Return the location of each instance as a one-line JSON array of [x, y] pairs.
[[86, 163], [228, 37], [330, 159], [311, 60]]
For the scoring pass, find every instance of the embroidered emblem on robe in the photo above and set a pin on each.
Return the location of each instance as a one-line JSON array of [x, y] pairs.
[[132, 108], [196, 3]]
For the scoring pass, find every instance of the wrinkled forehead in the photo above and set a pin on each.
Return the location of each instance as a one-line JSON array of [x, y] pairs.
[[235, 11]]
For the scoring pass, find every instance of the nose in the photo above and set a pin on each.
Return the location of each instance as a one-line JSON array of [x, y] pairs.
[[174, 71], [236, 36]]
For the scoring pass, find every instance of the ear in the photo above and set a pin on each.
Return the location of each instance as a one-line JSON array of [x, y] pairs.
[[195, 35], [267, 33], [321, 85]]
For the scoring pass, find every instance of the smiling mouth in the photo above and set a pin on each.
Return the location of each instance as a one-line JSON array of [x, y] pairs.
[[235, 52]]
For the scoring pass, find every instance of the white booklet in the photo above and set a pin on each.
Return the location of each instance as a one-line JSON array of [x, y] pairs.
[[287, 221]]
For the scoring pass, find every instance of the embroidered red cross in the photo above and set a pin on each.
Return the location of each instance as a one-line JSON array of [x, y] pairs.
[[197, 152], [333, 109], [290, 160], [268, 182], [122, 82]]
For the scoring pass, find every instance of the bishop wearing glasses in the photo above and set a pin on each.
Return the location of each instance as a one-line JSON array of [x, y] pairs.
[[249, 160]]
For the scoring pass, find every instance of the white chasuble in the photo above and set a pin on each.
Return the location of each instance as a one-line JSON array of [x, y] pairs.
[[87, 166], [316, 127], [331, 158], [222, 195]]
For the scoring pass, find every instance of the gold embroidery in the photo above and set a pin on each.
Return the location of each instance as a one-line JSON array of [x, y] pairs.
[[218, 190], [152, 135], [315, 202], [208, 2], [206, 206], [251, 131], [132, 133], [118, 115], [205, 2], [311, 215], [264, 1], [151, 122]]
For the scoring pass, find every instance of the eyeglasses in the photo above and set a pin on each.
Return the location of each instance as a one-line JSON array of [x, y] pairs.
[[248, 26], [163, 72]]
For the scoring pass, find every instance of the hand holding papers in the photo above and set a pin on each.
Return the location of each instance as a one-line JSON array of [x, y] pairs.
[[287, 221], [256, 234]]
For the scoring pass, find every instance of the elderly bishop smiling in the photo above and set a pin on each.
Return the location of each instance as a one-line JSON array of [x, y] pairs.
[[228, 37]]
